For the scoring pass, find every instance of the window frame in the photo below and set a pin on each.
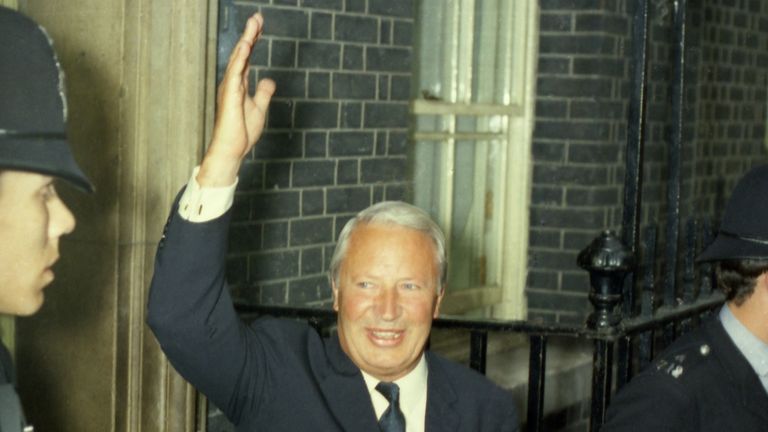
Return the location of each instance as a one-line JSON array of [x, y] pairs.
[[512, 202]]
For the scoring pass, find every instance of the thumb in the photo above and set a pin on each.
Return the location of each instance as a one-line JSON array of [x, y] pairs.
[[264, 91]]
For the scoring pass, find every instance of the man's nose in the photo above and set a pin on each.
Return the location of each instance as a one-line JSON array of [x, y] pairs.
[[388, 303], [62, 220]]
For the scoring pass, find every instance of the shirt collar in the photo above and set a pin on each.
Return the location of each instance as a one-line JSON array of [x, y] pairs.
[[413, 390], [755, 350], [413, 381]]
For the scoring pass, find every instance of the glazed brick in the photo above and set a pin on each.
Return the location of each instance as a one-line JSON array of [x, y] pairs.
[[383, 115], [273, 265], [316, 115], [312, 202], [311, 231], [283, 22], [275, 235], [312, 260], [399, 8], [386, 59], [313, 173], [347, 171], [354, 86], [351, 143], [347, 199], [383, 170], [321, 55], [355, 28]]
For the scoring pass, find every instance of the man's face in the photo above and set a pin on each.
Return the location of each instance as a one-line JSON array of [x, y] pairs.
[[386, 298], [32, 219]]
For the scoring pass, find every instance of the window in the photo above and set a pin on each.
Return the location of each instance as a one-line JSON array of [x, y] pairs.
[[472, 122]]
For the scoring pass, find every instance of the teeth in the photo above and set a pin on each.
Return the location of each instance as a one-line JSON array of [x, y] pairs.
[[386, 334]]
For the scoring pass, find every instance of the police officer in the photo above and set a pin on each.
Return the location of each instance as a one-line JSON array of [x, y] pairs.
[[715, 378], [33, 153]]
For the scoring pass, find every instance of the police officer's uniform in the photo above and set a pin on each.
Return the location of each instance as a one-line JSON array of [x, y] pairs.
[[701, 383], [11, 415], [705, 381]]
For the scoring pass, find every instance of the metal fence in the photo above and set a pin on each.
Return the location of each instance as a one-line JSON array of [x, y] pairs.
[[627, 321]]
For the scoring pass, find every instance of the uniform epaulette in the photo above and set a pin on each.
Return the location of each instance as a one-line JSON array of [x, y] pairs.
[[675, 363]]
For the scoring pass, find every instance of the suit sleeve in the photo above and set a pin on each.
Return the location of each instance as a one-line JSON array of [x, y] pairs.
[[191, 314], [652, 401]]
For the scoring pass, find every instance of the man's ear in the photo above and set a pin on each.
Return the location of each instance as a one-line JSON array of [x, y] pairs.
[[438, 302], [335, 292]]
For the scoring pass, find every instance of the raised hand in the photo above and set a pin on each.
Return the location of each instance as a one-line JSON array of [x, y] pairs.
[[239, 116]]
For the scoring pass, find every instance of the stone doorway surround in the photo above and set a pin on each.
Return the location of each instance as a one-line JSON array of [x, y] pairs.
[[140, 83]]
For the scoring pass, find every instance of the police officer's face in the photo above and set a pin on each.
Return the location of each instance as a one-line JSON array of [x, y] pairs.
[[32, 219], [386, 298]]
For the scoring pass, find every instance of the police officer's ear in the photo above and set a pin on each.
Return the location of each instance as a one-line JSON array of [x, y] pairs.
[[761, 287]]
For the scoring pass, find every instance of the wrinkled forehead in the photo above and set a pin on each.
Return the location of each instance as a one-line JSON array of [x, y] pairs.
[[385, 241]]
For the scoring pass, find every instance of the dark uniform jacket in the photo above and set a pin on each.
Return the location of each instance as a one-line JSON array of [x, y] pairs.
[[701, 383], [11, 415], [279, 375]]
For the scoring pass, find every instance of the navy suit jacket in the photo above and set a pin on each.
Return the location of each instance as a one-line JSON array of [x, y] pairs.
[[702, 382], [280, 375]]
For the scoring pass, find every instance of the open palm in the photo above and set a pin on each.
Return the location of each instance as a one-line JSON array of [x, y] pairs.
[[240, 116]]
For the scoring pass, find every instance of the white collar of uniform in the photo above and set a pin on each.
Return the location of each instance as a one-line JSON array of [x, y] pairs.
[[413, 391], [755, 350]]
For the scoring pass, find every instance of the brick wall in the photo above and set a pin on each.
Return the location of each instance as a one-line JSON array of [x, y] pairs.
[[577, 148], [582, 97], [335, 140], [731, 112]]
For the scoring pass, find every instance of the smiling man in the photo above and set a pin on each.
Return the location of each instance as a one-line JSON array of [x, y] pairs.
[[387, 276], [33, 153], [387, 287]]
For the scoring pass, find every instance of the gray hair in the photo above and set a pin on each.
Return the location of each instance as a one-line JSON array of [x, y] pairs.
[[395, 213]]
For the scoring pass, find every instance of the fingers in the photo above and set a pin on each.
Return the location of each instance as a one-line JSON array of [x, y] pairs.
[[253, 30], [236, 74], [239, 117]]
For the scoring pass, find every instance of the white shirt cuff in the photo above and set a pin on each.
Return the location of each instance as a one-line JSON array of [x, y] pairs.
[[202, 204]]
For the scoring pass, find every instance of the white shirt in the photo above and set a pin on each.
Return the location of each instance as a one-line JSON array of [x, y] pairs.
[[413, 396], [755, 350], [199, 204]]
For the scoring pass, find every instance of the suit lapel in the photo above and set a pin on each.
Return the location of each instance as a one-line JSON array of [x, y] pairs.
[[441, 397], [343, 388], [750, 391]]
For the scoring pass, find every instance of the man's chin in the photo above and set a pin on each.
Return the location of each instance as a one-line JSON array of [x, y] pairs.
[[32, 305], [31, 309]]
